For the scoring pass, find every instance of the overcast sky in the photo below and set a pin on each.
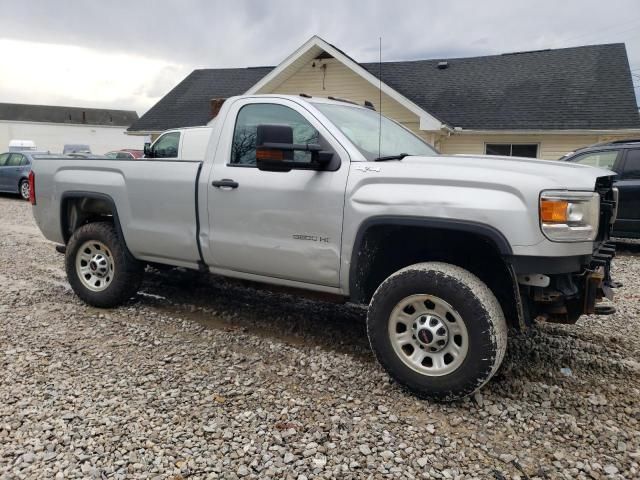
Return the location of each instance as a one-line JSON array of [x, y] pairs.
[[128, 54]]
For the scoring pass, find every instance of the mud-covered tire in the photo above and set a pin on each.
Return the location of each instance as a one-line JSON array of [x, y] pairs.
[[458, 295], [123, 276]]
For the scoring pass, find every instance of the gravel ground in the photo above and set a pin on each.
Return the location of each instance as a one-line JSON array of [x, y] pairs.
[[204, 378]]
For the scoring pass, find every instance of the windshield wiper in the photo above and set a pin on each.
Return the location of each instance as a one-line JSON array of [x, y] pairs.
[[399, 156]]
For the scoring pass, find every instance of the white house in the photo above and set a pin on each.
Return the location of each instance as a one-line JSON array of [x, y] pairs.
[[540, 104], [51, 127]]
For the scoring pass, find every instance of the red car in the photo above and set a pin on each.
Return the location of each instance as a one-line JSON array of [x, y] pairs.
[[125, 153]]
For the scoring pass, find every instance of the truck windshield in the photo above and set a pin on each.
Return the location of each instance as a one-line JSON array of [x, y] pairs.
[[361, 126]]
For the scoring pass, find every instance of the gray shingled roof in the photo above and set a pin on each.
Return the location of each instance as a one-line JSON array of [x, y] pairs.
[[571, 88], [586, 87], [21, 112], [187, 105]]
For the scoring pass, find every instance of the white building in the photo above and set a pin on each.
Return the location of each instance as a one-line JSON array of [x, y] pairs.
[[51, 127]]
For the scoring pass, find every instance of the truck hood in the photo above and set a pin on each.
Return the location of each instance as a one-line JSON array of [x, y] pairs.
[[546, 174], [502, 192]]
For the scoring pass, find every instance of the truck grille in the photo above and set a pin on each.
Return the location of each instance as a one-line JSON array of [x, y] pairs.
[[608, 206]]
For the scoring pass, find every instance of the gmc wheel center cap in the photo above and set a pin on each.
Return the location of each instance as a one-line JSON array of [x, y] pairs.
[[431, 333], [425, 336]]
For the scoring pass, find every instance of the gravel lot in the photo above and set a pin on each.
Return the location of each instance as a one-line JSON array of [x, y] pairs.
[[204, 378]]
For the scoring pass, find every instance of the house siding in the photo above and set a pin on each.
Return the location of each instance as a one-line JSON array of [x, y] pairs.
[[340, 81], [550, 146]]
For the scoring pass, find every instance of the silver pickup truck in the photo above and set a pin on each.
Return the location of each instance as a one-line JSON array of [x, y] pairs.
[[448, 252]]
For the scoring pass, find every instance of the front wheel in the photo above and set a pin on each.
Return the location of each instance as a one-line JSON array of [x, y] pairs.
[[23, 188], [437, 329], [99, 267]]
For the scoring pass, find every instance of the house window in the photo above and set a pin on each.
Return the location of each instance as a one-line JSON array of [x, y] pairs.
[[512, 149]]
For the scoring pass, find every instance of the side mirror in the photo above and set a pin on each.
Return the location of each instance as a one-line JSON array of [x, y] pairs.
[[275, 150], [147, 150]]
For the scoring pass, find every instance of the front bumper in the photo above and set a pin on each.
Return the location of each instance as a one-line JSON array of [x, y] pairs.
[[570, 295]]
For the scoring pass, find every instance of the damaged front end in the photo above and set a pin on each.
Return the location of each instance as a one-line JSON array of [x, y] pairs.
[[570, 295], [563, 297]]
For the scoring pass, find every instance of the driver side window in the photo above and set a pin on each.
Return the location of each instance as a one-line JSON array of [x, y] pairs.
[[167, 146], [243, 149]]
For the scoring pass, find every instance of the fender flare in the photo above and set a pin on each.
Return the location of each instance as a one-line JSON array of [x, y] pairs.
[[64, 225], [493, 235]]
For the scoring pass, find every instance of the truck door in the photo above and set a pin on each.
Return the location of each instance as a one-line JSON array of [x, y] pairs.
[[629, 186], [4, 171], [14, 171], [285, 225]]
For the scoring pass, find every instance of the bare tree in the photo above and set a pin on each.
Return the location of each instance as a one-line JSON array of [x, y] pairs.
[[244, 141]]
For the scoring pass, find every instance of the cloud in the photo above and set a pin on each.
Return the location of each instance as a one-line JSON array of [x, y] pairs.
[[163, 81], [136, 51], [65, 74]]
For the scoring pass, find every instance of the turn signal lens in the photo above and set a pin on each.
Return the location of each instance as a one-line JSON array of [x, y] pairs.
[[569, 216], [554, 211], [269, 154]]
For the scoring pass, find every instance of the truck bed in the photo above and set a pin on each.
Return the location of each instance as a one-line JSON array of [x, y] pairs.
[[155, 201]]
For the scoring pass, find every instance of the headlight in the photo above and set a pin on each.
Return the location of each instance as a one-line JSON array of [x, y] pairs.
[[567, 216]]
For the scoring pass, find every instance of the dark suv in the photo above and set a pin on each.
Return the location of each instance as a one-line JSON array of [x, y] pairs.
[[623, 157]]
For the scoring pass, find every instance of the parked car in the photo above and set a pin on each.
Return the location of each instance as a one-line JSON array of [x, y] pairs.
[[623, 157], [180, 144], [447, 251], [76, 148], [14, 171], [125, 154]]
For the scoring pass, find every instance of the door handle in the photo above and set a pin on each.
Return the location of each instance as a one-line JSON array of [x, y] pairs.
[[225, 183]]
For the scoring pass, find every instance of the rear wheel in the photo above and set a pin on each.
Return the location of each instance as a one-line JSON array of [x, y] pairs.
[[99, 268], [23, 189], [437, 329]]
